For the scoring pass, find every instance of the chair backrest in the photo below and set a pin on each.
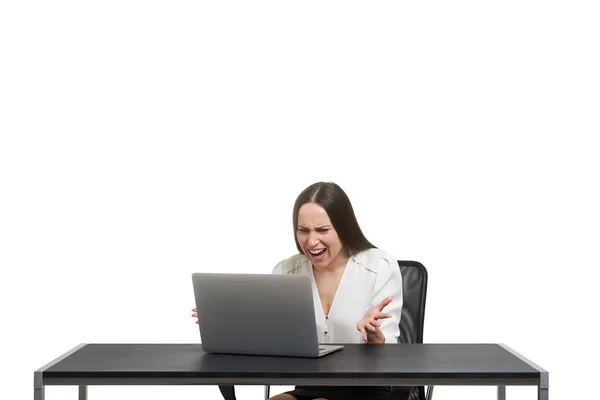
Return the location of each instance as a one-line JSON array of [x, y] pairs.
[[414, 290]]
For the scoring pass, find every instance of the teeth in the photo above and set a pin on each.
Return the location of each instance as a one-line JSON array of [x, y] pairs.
[[316, 252]]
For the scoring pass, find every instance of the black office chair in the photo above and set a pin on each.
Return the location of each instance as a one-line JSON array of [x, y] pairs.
[[414, 289]]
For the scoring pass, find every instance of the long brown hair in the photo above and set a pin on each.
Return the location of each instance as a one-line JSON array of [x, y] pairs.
[[337, 205]]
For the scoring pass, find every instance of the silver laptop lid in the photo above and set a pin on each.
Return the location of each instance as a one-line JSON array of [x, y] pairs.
[[256, 314]]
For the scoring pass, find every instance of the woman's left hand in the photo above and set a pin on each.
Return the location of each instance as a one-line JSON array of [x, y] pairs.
[[369, 324]]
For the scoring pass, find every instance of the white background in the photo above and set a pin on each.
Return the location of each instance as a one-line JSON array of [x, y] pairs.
[[142, 141]]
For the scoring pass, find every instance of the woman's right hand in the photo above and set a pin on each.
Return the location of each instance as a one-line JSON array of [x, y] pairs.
[[369, 325], [195, 314]]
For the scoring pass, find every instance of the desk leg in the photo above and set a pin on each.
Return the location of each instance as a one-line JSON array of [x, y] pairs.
[[82, 392], [38, 393], [38, 386], [501, 392], [543, 386]]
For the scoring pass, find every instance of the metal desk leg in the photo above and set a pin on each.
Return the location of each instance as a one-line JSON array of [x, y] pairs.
[[267, 391], [38, 376], [543, 387], [501, 392], [82, 392], [38, 386], [38, 393]]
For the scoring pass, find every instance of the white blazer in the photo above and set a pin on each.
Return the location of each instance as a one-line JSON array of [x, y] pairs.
[[369, 277]]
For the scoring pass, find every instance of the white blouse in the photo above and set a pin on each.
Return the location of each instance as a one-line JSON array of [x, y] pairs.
[[369, 277]]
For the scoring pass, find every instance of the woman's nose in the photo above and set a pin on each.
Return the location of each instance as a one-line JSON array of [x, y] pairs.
[[313, 240]]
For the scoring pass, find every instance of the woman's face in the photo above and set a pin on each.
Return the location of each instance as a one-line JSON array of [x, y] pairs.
[[317, 237]]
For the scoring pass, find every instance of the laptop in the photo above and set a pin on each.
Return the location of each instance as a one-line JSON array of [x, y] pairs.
[[257, 314]]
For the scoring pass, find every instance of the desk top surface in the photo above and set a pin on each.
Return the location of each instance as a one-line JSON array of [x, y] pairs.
[[355, 360]]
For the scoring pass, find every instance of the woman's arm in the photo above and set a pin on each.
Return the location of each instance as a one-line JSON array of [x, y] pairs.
[[388, 283]]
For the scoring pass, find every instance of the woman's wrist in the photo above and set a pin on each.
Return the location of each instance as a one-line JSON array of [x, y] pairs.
[[375, 337]]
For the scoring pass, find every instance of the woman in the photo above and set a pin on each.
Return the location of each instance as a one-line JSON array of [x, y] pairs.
[[357, 288]]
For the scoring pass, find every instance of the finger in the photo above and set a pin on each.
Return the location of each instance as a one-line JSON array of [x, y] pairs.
[[371, 327], [372, 333], [382, 316], [194, 309], [363, 333], [197, 322], [194, 314], [385, 302], [375, 325]]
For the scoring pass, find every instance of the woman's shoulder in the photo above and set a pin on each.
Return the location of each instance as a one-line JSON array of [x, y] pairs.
[[290, 265], [375, 259]]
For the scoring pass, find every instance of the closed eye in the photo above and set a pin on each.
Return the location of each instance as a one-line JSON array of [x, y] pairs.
[[319, 230]]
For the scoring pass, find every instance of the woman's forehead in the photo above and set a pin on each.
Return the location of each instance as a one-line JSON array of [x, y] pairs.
[[312, 214]]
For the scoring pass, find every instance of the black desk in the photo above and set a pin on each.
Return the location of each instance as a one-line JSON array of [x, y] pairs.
[[356, 364]]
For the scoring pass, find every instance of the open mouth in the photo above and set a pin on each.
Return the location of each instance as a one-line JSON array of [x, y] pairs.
[[317, 253]]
